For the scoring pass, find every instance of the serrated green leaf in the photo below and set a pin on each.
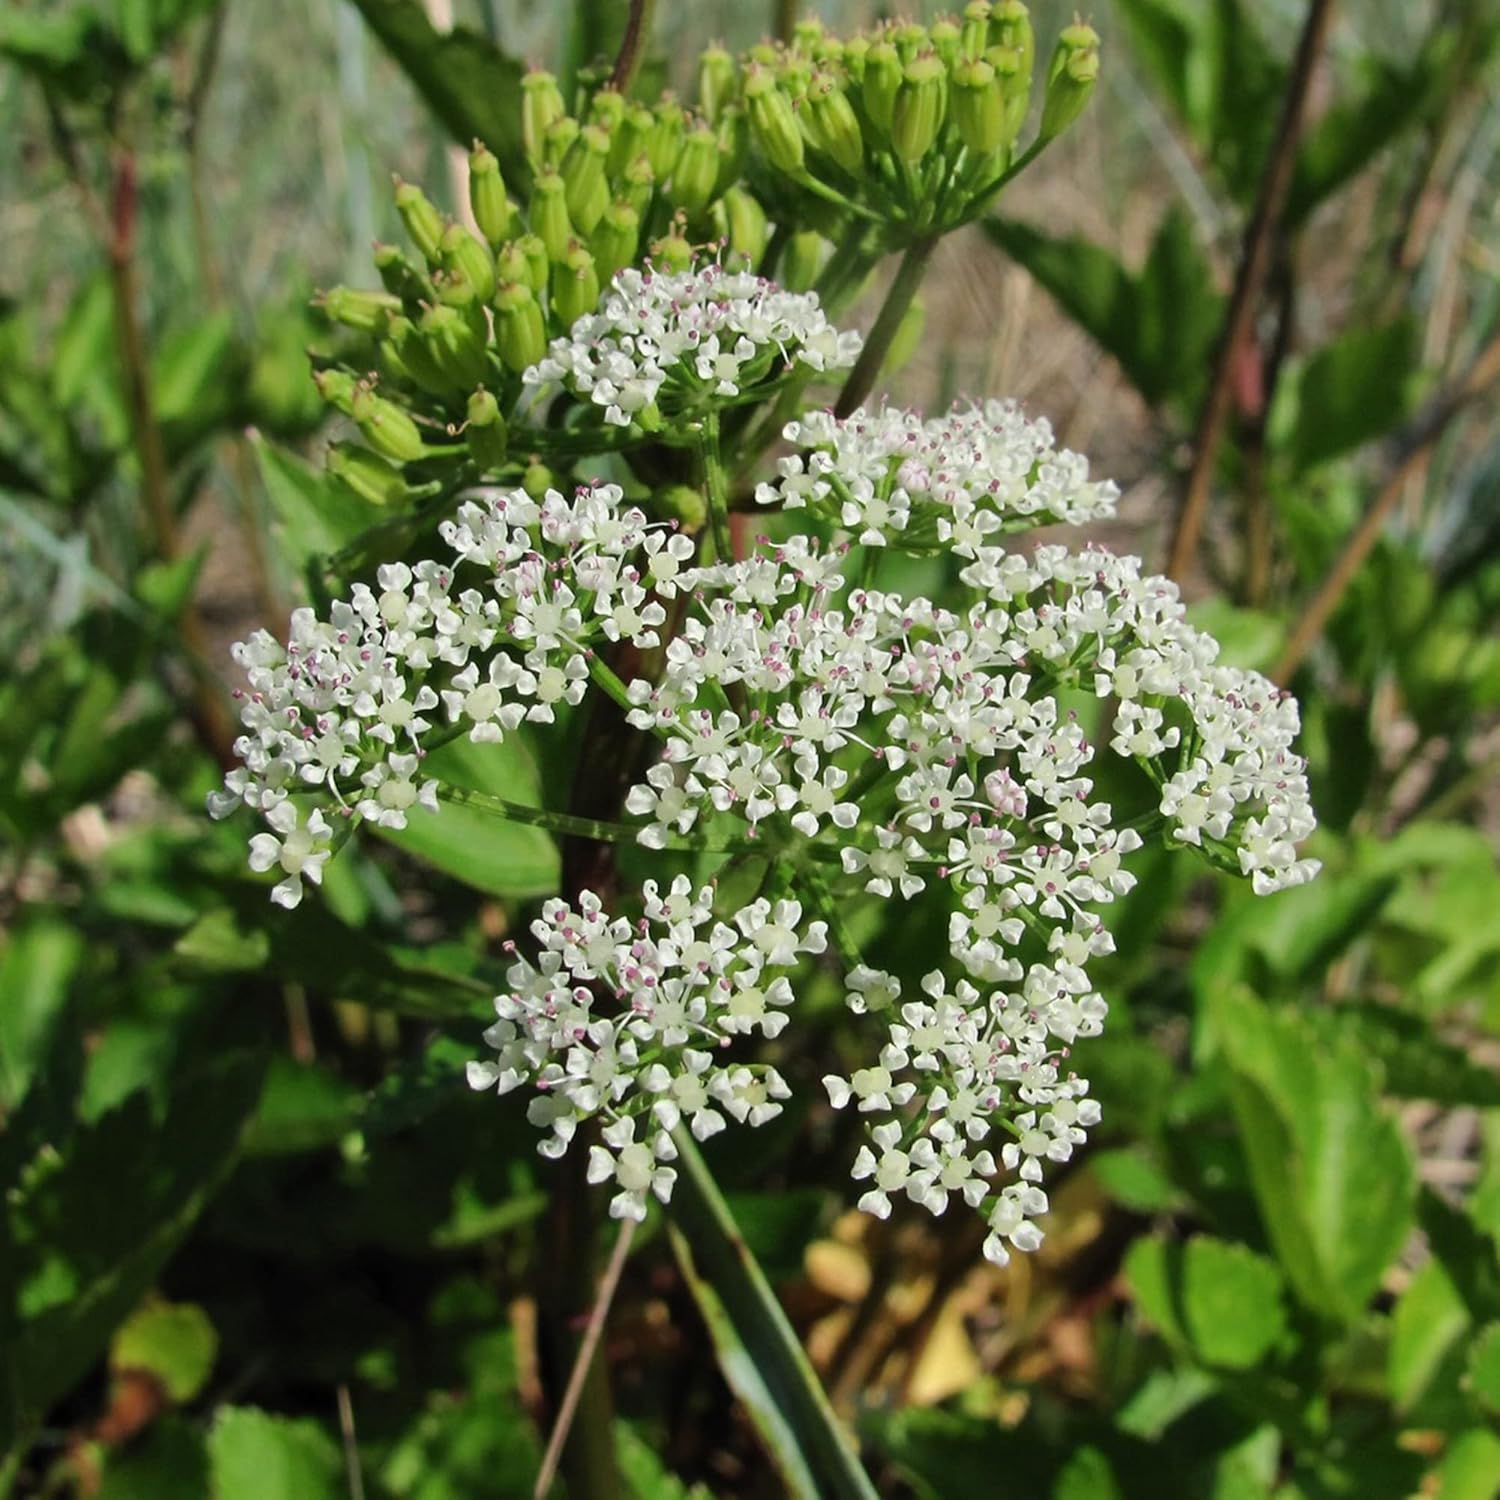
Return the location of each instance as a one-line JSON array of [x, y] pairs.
[[173, 1341], [252, 1453], [1332, 1174]]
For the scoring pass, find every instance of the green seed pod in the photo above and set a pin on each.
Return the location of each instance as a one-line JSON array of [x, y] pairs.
[[519, 332], [664, 142], [696, 174], [456, 349], [919, 107], [484, 430], [629, 139], [386, 427], [538, 262], [423, 222], [745, 227], [856, 50], [560, 135], [537, 479], [773, 122], [1015, 87], [637, 185], [882, 82], [681, 503], [550, 220], [801, 260], [974, 35], [716, 82], [607, 108], [672, 252], [1070, 79], [492, 210], [367, 474], [734, 147], [336, 387], [616, 238], [910, 40], [511, 264], [575, 286], [400, 277], [837, 127], [365, 311], [1010, 26], [806, 36], [764, 55], [587, 191], [541, 105], [978, 107], [945, 35], [795, 74], [405, 355], [467, 259]]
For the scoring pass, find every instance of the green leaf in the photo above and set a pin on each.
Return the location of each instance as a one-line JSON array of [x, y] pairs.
[[252, 1453], [1134, 1180], [1426, 1326], [1415, 1062], [1219, 1301], [196, 377], [1331, 1172], [1357, 387], [304, 1106], [316, 516], [469, 84], [174, 1341], [37, 966], [645, 1476], [1484, 1367], [1471, 1467], [759, 1354], [1465, 1252], [165, 1462]]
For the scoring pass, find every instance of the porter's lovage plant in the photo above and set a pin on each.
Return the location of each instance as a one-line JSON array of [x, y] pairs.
[[815, 739]]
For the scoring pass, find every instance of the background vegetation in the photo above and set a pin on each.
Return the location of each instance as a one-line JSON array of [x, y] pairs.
[[259, 1241]]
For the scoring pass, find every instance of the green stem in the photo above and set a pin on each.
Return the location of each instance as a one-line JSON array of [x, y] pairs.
[[866, 369], [760, 1354], [716, 486], [628, 63]]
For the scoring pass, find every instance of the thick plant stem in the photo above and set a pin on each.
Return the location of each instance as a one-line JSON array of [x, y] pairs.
[[1255, 262], [716, 488], [866, 369]]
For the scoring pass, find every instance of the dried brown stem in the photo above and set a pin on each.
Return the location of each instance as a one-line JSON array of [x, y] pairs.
[[1255, 260], [1425, 436]]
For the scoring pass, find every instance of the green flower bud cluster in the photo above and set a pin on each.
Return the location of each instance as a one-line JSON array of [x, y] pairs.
[[911, 127]]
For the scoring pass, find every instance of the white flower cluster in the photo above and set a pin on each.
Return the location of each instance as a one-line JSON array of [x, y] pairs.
[[673, 342], [957, 481], [850, 742], [624, 1022]]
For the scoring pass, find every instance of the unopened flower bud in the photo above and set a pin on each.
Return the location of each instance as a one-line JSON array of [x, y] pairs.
[[807, 36], [978, 107], [637, 184], [587, 191], [1014, 79], [716, 82], [400, 277], [615, 240], [834, 123], [629, 139], [697, 172], [362, 310], [802, 260], [484, 430], [920, 105], [944, 36], [910, 40], [575, 285], [607, 108], [519, 332], [386, 427], [336, 387], [468, 260], [366, 474], [745, 228], [734, 147], [856, 50], [405, 355], [1070, 79], [882, 82], [491, 208], [538, 262], [664, 140], [457, 349], [550, 221], [560, 136], [541, 105], [681, 503], [423, 222], [773, 121]]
